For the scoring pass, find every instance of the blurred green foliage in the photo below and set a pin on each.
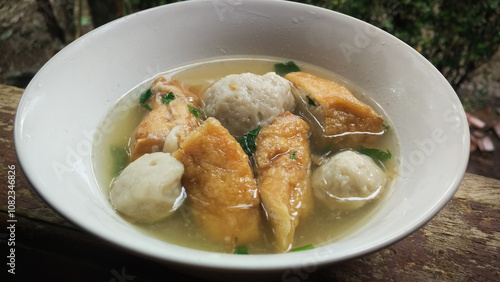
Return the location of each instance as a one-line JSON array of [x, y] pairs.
[[455, 36], [104, 11], [137, 5]]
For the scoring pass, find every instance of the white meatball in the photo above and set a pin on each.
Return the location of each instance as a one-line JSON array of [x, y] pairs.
[[242, 102], [149, 188], [347, 181]]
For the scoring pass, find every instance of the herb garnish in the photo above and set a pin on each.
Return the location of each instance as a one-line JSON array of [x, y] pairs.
[[328, 148], [144, 98], [303, 248], [284, 68], [310, 101], [294, 155], [247, 142], [195, 111], [376, 154], [241, 250], [168, 98], [120, 159]]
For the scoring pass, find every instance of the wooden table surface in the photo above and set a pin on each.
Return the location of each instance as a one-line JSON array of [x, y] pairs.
[[462, 243]]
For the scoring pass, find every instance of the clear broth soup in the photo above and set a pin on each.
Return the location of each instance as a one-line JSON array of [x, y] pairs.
[[322, 226]]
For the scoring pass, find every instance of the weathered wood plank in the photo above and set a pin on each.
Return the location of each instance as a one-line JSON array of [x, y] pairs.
[[28, 203]]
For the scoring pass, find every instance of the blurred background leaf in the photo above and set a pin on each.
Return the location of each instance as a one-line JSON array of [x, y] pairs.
[[456, 36]]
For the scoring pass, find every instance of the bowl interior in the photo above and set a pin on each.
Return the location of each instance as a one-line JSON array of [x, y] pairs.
[[63, 105]]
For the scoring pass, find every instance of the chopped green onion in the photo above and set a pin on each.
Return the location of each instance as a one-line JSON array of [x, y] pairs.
[[120, 159], [303, 248], [284, 68], [168, 98], [376, 154], [310, 101], [294, 155], [147, 107], [254, 132], [385, 127], [328, 147], [144, 98], [247, 142], [195, 111], [241, 250]]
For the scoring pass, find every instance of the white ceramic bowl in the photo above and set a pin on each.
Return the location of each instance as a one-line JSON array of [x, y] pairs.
[[63, 105]]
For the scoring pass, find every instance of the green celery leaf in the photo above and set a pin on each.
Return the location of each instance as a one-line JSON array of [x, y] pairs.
[[147, 107], [168, 98], [120, 159], [145, 96], [303, 248], [241, 250], [196, 112], [284, 68], [247, 142], [376, 154], [310, 101]]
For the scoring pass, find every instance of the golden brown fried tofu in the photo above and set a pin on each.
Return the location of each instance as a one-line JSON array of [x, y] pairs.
[[152, 132], [335, 107], [219, 182], [284, 166]]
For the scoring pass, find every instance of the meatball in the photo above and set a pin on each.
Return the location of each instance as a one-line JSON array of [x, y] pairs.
[[347, 181], [242, 102], [149, 188]]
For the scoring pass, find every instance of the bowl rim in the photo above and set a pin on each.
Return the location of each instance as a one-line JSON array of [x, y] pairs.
[[280, 262]]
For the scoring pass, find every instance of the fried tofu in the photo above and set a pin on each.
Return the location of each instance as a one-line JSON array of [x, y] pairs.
[[284, 170], [222, 192], [154, 129], [337, 110]]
